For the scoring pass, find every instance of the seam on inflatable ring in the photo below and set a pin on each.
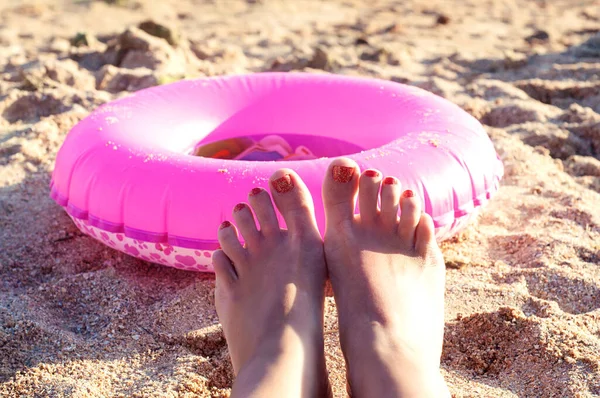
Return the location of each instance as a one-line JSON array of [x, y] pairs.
[[134, 233], [191, 243], [451, 216]]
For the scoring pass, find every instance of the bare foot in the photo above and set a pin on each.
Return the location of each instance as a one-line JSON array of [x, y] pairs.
[[388, 277], [270, 293]]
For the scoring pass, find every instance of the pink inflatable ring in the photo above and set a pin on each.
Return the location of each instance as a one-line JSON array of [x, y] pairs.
[[127, 177]]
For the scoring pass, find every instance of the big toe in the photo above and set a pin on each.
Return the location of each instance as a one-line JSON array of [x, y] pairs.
[[340, 188], [293, 200]]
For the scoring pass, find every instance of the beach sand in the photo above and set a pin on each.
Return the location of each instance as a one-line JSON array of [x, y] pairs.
[[78, 319]]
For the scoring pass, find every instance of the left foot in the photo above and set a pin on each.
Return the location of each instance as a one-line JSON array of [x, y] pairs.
[[270, 293]]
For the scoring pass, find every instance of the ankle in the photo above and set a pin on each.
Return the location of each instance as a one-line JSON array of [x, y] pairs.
[[388, 366], [290, 366], [397, 379]]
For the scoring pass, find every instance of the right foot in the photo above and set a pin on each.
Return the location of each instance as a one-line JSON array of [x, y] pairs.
[[388, 277]]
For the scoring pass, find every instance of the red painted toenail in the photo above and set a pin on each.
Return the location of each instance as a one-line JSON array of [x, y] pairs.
[[371, 173], [343, 173], [225, 224], [256, 191], [239, 207], [408, 194], [283, 184], [389, 181]]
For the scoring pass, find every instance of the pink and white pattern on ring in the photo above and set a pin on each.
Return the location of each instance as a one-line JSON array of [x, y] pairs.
[[161, 253]]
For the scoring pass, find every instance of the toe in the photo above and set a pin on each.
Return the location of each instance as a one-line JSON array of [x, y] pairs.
[[425, 235], [230, 243], [265, 212], [410, 214], [340, 189], [244, 220], [390, 197], [224, 269], [293, 200], [368, 195]]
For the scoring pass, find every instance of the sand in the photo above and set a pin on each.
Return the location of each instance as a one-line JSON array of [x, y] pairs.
[[78, 319]]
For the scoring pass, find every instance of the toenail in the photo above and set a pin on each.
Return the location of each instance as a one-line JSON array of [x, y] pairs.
[[283, 184], [343, 173], [389, 181], [408, 194], [371, 173], [239, 206], [256, 191], [225, 224]]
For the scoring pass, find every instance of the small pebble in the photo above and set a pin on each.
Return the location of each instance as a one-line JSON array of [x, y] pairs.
[[442, 19]]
